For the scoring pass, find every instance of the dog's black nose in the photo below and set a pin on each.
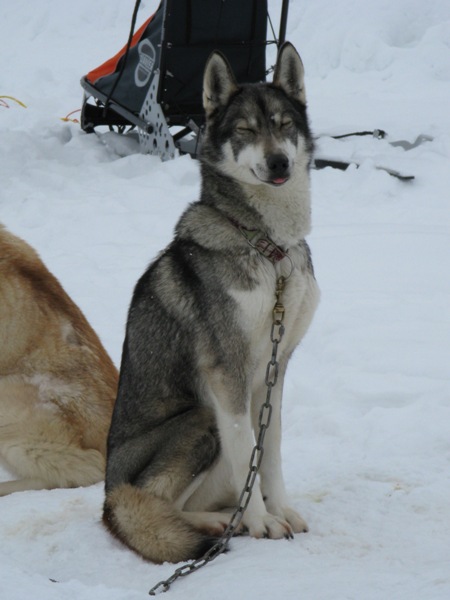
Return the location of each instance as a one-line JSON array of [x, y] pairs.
[[278, 165]]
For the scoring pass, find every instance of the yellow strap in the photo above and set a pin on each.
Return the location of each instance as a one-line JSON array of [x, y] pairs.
[[66, 118], [15, 100]]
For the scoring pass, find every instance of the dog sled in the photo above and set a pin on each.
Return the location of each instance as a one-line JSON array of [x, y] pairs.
[[154, 84], [152, 88]]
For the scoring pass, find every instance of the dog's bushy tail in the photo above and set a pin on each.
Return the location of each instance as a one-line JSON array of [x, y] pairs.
[[152, 527]]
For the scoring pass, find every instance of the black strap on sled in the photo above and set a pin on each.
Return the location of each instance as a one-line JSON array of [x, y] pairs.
[[379, 134], [125, 57]]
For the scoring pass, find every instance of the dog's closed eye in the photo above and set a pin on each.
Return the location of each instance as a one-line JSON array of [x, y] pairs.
[[286, 123], [245, 130]]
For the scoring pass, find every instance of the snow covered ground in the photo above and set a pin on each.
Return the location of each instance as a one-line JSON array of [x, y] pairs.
[[366, 442]]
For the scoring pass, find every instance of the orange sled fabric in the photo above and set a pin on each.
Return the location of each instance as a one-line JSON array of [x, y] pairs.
[[110, 66]]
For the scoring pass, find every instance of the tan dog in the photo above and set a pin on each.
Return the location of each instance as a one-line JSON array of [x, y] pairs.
[[57, 383]]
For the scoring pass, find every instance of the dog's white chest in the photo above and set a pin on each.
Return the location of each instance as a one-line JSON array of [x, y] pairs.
[[299, 298], [255, 306]]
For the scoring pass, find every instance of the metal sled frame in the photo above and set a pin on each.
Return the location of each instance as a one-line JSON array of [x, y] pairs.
[[160, 133]]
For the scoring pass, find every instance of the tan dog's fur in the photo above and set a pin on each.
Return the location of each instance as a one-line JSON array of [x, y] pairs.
[[57, 383]]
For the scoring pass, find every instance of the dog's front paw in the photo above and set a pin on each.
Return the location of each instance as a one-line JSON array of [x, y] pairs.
[[268, 526], [297, 523], [279, 508]]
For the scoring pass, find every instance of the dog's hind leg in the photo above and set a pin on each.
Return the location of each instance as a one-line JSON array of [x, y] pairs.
[[46, 457], [48, 468], [211, 523], [58, 472], [39, 446], [22, 485], [144, 509]]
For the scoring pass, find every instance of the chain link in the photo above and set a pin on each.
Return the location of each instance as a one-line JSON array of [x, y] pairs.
[[265, 414]]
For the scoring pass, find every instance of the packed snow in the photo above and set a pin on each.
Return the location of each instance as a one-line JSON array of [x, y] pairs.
[[366, 442]]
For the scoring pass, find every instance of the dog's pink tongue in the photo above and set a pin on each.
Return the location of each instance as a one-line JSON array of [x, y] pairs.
[[279, 180]]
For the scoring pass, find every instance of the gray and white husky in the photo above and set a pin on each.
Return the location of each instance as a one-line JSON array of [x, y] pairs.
[[198, 334]]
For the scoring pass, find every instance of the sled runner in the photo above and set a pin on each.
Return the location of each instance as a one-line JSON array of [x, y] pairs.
[[154, 84], [322, 160]]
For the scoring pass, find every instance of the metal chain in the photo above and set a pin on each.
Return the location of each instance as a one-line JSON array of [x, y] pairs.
[[271, 378]]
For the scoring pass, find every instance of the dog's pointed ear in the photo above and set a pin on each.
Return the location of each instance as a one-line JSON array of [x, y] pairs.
[[289, 72], [219, 82]]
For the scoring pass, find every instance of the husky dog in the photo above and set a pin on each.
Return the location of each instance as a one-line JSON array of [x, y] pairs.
[[57, 383], [198, 336]]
